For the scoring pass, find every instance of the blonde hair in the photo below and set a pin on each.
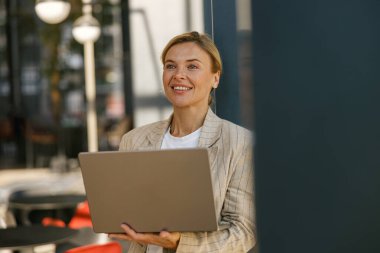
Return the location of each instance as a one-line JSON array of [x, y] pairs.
[[203, 41]]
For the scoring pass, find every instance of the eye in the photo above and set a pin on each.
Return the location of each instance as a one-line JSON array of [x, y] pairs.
[[169, 66], [192, 66]]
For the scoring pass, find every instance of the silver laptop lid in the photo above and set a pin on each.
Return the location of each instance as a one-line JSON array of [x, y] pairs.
[[149, 190]]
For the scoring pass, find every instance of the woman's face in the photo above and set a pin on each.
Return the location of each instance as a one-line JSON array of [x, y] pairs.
[[187, 76]]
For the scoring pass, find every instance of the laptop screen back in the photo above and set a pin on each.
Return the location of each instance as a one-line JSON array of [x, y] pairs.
[[149, 190]]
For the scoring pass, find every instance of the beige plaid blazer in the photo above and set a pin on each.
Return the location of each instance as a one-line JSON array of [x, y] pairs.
[[230, 155]]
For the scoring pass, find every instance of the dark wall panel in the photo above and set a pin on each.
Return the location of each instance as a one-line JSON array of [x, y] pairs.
[[317, 106], [220, 20]]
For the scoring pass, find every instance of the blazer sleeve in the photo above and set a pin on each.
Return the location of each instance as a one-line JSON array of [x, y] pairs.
[[237, 230]]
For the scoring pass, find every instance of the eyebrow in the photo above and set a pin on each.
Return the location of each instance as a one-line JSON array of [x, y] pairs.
[[189, 60]]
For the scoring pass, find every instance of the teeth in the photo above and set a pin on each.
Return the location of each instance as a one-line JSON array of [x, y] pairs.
[[180, 88]]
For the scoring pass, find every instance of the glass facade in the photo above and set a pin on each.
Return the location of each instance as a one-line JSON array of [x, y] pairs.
[[42, 102], [42, 85], [151, 29]]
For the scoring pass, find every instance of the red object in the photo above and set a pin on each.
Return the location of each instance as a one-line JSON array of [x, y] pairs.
[[81, 217], [109, 247], [48, 221]]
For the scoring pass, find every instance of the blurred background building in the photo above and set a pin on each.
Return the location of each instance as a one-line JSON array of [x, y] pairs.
[[42, 91]]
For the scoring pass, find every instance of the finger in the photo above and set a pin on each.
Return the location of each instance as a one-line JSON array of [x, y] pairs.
[[163, 238], [139, 237], [164, 234], [120, 236], [128, 230], [133, 235]]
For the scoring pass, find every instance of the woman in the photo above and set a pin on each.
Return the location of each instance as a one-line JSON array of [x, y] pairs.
[[192, 69]]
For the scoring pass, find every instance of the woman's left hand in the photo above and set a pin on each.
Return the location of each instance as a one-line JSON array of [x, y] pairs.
[[164, 239]]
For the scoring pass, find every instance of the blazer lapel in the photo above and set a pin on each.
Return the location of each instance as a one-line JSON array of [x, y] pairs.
[[155, 136], [210, 134], [211, 130]]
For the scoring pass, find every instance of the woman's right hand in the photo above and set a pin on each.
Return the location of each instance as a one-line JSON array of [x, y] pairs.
[[164, 239]]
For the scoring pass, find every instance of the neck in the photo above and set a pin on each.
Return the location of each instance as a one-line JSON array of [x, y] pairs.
[[186, 121]]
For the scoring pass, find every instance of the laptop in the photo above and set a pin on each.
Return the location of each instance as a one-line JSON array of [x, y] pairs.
[[151, 191]]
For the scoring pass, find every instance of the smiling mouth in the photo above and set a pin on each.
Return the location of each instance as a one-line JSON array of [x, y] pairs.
[[181, 88]]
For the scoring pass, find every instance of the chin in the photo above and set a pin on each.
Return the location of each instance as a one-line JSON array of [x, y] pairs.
[[186, 103], [180, 105], [179, 102]]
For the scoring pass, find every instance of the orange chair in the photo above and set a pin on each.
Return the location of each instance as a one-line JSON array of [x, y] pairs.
[[48, 221], [109, 247], [80, 219]]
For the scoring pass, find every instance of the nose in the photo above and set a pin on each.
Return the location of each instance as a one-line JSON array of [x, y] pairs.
[[179, 73]]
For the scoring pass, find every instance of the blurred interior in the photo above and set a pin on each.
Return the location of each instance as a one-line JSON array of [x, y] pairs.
[[42, 92], [43, 101]]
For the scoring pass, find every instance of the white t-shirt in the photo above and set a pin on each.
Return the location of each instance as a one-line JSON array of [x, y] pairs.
[[187, 141], [172, 142]]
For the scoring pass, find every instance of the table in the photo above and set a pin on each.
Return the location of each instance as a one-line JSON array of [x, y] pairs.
[[23, 237], [26, 204], [40, 178], [38, 181], [46, 201]]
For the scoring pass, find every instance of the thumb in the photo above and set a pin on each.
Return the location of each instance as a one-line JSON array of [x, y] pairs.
[[164, 234]]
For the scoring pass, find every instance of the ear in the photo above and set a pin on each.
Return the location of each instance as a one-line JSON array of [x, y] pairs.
[[216, 80]]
